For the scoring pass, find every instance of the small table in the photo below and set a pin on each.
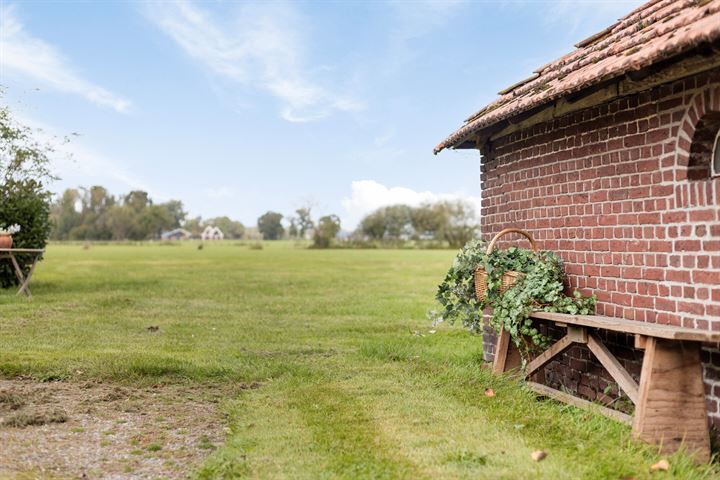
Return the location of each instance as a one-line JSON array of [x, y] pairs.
[[24, 280]]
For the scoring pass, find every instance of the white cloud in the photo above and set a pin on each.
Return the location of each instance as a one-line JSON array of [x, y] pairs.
[[28, 57], [262, 48], [368, 195]]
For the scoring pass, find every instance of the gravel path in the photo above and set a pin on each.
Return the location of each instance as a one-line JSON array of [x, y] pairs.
[[96, 430]]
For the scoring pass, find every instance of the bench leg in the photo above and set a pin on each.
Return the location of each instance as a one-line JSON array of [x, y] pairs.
[[507, 355], [671, 409]]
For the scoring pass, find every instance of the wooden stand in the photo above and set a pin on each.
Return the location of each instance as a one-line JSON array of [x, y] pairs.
[[23, 279], [670, 399]]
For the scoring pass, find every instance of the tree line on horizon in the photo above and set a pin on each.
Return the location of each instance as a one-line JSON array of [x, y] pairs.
[[95, 214]]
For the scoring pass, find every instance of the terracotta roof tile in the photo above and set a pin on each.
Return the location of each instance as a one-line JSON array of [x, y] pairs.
[[655, 31]]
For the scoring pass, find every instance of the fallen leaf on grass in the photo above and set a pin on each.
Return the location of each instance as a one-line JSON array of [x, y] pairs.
[[661, 466], [538, 455], [489, 392]]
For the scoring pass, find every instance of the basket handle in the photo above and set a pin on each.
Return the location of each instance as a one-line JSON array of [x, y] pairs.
[[527, 235]]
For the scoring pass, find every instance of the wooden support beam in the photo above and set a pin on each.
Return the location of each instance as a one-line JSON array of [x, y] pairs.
[[578, 402], [671, 410], [614, 368], [640, 341], [507, 355], [548, 354]]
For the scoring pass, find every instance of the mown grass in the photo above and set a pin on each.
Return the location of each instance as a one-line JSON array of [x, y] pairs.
[[352, 382]]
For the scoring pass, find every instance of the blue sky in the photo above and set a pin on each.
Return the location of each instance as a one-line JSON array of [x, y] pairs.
[[237, 108]]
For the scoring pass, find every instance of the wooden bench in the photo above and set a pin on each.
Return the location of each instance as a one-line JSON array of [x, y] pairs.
[[669, 402]]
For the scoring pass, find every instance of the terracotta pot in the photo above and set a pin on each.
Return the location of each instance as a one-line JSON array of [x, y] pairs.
[[5, 241]]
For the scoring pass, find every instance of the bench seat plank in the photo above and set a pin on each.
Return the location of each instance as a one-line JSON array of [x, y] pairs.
[[668, 332]]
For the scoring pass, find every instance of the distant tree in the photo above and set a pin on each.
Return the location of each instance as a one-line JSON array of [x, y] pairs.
[[397, 221], [293, 230], [429, 220], [97, 200], [392, 222], [66, 214], [121, 222], [373, 225], [137, 200], [462, 223], [176, 211], [155, 219], [304, 221], [270, 226], [194, 226], [94, 214], [230, 228], [451, 221], [327, 229]]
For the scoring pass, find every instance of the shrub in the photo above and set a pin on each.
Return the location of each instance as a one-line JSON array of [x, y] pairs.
[[26, 203], [327, 229]]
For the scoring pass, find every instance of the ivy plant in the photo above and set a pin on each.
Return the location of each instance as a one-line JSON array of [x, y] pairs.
[[540, 288]]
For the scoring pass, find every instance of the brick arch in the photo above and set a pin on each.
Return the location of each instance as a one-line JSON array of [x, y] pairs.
[[701, 117]]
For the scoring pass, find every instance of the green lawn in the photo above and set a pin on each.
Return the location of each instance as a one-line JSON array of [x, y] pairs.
[[353, 383]]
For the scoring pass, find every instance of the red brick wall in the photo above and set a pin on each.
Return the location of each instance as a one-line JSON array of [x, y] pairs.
[[622, 193]]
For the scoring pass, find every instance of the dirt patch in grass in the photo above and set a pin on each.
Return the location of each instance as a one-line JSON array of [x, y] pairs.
[[98, 430]]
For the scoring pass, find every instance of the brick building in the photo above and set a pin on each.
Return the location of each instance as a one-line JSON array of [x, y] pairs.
[[606, 156]]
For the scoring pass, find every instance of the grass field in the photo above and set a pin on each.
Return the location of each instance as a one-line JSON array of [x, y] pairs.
[[353, 384]]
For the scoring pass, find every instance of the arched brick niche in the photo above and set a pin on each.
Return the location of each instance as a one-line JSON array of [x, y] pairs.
[[696, 136], [701, 149]]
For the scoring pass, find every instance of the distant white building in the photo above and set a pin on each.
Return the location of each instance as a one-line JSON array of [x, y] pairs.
[[212, 233], [177, 234]]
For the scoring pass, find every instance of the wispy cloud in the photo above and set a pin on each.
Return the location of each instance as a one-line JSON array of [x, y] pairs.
[[418, 18], [77, 163], [29, 57], [413, 20], [368, 195], [261, 46], [576, 15]]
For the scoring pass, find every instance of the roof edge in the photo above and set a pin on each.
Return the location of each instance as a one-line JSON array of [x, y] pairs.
[[604, 61]]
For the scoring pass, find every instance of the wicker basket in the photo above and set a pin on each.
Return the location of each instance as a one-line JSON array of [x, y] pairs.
[[508, 278]]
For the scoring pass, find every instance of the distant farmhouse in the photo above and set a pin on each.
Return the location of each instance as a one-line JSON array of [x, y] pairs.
[[212, 233], [177, 234]]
